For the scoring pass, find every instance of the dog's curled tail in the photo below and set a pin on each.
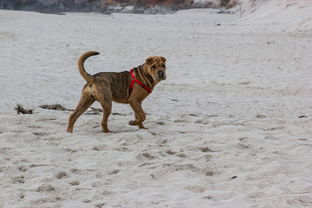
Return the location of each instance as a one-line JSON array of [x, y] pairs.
[[81, 61]]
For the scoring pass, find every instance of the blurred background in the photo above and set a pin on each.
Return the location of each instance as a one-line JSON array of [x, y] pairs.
[[109, 6]]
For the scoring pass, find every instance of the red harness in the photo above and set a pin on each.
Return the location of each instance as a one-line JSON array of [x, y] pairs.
[[149, 90]]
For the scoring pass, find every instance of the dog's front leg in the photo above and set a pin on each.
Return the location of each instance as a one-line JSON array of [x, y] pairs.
[[139, 114], [141, 126]]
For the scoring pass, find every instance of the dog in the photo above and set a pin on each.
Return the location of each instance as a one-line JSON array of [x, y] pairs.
[[128, 87]]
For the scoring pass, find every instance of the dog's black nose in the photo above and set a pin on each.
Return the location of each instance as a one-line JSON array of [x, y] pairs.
[[161, 74]]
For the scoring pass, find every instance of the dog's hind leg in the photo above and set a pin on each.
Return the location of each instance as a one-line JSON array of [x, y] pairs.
[[85, 102], [107, 109], [105, 99]]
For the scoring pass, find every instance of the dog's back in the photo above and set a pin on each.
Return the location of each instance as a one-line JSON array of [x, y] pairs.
[[117, 81]]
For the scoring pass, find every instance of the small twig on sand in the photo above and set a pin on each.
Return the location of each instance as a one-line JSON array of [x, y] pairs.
[[55, 107], [94, 111]]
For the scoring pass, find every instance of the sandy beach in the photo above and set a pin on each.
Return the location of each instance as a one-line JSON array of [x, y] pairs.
[[230, 127]]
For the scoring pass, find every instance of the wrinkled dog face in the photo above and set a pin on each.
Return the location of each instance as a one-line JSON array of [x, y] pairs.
[[156, 67]]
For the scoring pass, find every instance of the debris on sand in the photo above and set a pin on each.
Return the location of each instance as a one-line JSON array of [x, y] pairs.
[[55, 107], [94, 111], [21, 110]]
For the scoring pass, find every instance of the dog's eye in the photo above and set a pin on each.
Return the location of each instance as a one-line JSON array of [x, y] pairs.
[[163, 65], [154, 67]]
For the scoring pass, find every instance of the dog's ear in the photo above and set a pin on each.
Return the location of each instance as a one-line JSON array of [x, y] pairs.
[[163, 59], [149, 60]]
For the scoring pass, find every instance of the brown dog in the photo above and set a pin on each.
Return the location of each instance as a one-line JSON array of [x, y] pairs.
[[123, 87]]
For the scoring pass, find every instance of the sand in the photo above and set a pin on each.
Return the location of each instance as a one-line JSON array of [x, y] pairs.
[[230, 127]]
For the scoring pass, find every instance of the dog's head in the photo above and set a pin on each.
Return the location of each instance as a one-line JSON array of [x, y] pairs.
[[156, 67]]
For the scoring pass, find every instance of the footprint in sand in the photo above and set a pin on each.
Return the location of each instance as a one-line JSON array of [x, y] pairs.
[[206, 149], [210, 173], [195, 189], [34, 126], [243, 139], [45, 188], [243, 142], [208, 197], [23, 168], [21, 196], [18, 179], [99, 147], [148, 155], [113, 172], [61, 175], [170, 152], [74, 183], [245, 146], [70, 150], [260, 116], [205, 157], [180, 121], [46, 119], [40, 133], [160, 123], [54, 138], [299, 201], [202, 121], [193, 114], [122, 149], [273, 128], [182, 155], [100, 205], [87, 201], [256, 195]]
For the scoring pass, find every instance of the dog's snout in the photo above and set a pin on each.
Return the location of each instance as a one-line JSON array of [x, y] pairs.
[[161, 74]]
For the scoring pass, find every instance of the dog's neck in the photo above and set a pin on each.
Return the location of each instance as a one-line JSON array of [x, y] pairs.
[[145, 78]]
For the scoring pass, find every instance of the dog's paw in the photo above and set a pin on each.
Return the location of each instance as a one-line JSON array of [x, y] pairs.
[[106, 131], [133, 123], [142, 127], [69, 130]]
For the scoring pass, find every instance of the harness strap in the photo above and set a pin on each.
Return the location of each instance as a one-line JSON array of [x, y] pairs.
[[149, 90]]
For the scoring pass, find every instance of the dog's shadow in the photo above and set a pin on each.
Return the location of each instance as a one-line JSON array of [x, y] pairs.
[[123, 131], [120, 131]]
